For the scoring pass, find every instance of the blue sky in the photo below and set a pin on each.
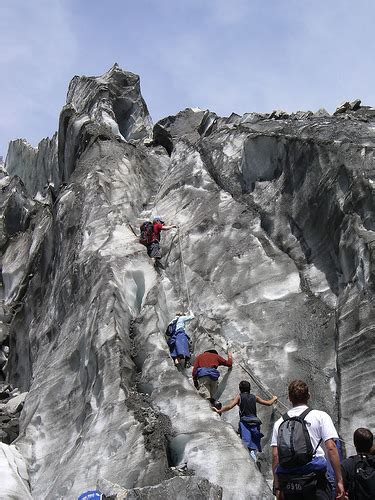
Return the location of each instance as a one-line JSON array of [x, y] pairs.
[[224, 55]]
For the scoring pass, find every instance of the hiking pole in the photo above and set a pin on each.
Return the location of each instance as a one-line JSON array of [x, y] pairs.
[[183, 269]]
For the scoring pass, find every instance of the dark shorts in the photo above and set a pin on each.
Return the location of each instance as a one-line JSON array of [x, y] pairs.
[[323, 489], [153, 250]]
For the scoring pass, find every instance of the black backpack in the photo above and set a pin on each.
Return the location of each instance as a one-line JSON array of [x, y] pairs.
[[293, 441], [147, 233], [362, 486], [171, 328]]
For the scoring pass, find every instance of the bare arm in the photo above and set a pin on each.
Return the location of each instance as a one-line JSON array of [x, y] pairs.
[[235, 401], [275, 463], [333, 457], [226, 362], [266, 402], [230, 359], [166, 228]]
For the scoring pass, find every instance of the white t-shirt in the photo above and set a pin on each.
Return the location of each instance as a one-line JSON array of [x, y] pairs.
[[319, 425]]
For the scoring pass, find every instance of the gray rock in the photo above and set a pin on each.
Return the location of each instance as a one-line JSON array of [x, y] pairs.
[[120, 113], [178, 488], [344, 106], [3, 360], [189, 124], [302, 115], [279, 114], [14, 476], [354, 105], [36, 166], [17, 208], [322, 113], [9, 414], [4, 388], [15, 404]]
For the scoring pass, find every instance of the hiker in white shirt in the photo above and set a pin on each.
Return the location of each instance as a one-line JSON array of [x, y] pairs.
[[321, 431]]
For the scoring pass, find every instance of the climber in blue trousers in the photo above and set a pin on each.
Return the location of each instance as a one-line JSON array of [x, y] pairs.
[[178, 340], [249, 424]]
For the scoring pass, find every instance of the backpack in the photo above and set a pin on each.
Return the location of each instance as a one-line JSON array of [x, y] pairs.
[[293, 441], [362, 486], [147, 233], [171, 328]]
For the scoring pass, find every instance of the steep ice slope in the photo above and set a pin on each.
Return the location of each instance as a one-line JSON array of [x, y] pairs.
[[276, 225], [81, 346], [296, 262]]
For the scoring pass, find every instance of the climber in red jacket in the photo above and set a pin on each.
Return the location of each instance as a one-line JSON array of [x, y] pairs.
[[206, 374], [154, 251]]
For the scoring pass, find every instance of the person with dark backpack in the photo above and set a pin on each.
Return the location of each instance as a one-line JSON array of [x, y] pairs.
[[298, 460], [358, 471], [249, 424], [178, 340], [150, 237]]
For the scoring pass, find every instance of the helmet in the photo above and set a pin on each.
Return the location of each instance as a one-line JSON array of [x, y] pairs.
[[158, 217]]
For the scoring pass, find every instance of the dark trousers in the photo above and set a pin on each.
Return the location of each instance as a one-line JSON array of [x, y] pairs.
[[323, 490]]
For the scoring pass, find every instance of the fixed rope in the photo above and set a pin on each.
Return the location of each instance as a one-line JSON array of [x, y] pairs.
[[261, 385], [269, 394], [183, 269]]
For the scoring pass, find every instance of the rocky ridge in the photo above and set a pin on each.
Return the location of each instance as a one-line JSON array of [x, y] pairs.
[[277, 229]]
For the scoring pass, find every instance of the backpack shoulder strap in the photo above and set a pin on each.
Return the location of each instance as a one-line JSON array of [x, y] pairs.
[[285, 416], [302, 416], [305, 413]]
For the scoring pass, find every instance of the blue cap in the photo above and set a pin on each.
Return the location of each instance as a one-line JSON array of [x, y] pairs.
[[157, 217]]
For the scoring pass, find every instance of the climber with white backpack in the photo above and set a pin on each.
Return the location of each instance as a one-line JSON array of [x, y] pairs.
[[150, 237], [178, 340], [298, 460]]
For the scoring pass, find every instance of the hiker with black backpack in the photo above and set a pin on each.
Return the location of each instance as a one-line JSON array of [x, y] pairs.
[[150, 237], [249, 424], [298, 459], [358, 471], [178, 340]]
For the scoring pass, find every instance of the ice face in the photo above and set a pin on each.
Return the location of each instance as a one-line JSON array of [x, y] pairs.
[[14, 477], [273, 255]]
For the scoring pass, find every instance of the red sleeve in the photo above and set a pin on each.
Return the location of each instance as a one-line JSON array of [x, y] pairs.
[[158, 227], [224, 362]]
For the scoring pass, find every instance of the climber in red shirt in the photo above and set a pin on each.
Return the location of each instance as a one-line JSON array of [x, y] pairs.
[[206, 374], [153, 249]]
